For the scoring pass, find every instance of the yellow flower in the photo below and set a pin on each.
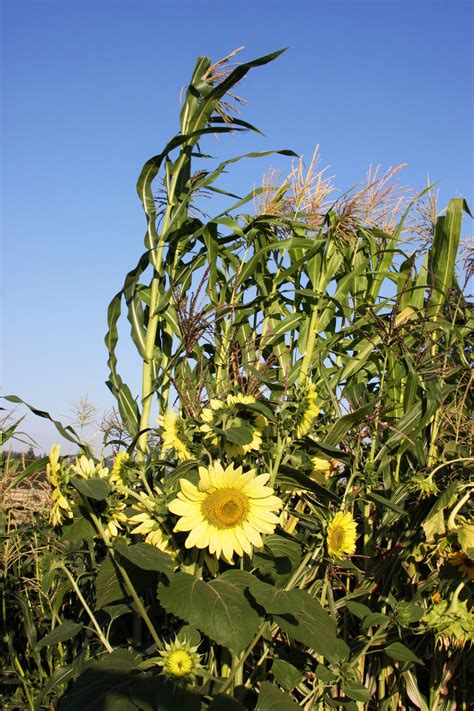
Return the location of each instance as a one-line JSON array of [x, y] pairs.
[[341, 534], [307, 409], [149, 525], [227, 414], [87, 468], [117, 474], [113, 517], [463, 563], [174, 436], [227, 511], [61, 508], [323, 469], [53, 468], [180, 660]]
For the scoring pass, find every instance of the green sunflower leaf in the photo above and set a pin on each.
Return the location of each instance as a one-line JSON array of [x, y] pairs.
[[95, 488], [61, 633], [286, 674], [239, 435], [218, 609], [398, 651], [146, 557], [272, 699]]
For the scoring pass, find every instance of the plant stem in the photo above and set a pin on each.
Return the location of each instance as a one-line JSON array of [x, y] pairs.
[[86, 607]]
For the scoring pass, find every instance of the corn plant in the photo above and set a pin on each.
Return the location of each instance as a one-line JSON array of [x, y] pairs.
[[293, 528]]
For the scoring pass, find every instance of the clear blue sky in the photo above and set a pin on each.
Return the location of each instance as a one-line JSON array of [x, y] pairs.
[[90, 91]]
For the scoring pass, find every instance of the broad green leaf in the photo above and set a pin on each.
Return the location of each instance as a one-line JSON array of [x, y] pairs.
[[374, 618], [279, 558], [95, 488], [238, 435], [358, 609], [146, 556], [155, 693], [218, 609], [222, 702], [287, 675], [80, 528], [272, 699], [61, 633], [324, 674], [300, 616], [466, 539], [108, 585], [103, 685], [356, 691], [401, 653]]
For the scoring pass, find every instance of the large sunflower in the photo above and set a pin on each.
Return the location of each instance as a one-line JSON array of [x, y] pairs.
[[341, 535], [227, 511], [307, 409], [175, 435], [227, 414]]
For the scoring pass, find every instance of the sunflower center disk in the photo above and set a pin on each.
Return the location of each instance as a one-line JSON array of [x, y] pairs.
[[225, 508], [338, 537]]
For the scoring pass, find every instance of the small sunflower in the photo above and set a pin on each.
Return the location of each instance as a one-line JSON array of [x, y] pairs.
[[307, 409], [323, 469], [87, 468], [341, 535], [119, 476], [113, 517], [61, 508], [227, 511], [464, 564], [148, 524], [227, 414], [175, 435], [180, 660]]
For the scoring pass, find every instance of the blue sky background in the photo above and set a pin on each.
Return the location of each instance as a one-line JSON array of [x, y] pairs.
[[91, 91]]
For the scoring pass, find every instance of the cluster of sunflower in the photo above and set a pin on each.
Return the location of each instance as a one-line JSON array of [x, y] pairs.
[[229, 508], [231, 504], [64, 495]]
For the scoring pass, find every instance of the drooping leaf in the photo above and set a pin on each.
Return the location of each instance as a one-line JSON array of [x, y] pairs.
[[96, 488], [103, 685], [401, 653], [146, 557], [61, 633], [272, 699]]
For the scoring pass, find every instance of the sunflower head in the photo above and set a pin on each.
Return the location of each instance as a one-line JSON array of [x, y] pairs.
[[229, 414], [180, 660], [463, 563], [322, 469], [147, 522], [227, 511], [306, 409], [120, 474], [176, 435], [341, 535], [87, 468]]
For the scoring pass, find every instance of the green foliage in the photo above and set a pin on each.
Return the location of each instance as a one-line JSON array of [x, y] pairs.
[[311, 371]]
